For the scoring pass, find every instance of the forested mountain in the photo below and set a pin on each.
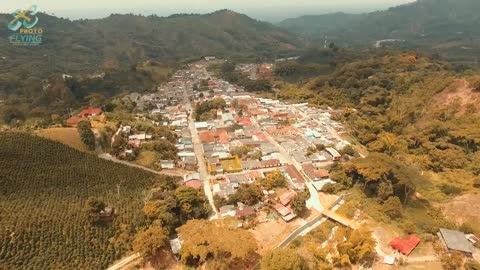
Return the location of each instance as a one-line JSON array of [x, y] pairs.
[[117, 40], [449, 27]]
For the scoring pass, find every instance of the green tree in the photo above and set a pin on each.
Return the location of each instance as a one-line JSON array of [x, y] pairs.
[[393, 207], [299, 203], [273, 180], [150, 241], [283, 259], [86, 134], [248, 194]]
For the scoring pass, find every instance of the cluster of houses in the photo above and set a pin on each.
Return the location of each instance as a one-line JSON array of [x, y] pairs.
[[275, 135]]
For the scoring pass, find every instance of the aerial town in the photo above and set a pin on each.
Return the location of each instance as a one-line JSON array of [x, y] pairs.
[[241, 138]]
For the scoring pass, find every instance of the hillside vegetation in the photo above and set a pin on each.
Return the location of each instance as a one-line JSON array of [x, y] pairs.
[[119, 40], [420, 121], [44, 191], [447, 27]]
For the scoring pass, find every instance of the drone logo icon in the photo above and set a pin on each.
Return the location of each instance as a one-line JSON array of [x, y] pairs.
[[27, 18]]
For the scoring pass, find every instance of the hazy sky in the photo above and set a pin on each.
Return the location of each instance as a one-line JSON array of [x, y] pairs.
[[256, 8]]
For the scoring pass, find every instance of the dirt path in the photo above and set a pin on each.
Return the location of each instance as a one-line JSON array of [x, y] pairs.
[[177, 173]]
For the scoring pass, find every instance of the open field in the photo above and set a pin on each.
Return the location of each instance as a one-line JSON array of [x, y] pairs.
[[67, 136]]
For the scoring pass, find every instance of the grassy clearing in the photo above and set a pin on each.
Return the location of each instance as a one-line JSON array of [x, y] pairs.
[[67, 136], [147, 158]]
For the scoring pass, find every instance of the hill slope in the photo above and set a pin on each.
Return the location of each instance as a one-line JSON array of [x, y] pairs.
[[117, 40], [429, 24], [44, 188]]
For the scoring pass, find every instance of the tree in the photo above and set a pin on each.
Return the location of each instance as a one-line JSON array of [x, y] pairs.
[[192, 203], [93, 208], [273, 180], [283, 259], [299, 203], [472, 265], [248, 194], [86, 134], [219, 242], [452, 261], [393, 207], [150, 241], [385, 190]]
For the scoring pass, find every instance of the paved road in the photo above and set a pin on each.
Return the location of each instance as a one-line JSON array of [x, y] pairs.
[[116, 160], [124, 262]]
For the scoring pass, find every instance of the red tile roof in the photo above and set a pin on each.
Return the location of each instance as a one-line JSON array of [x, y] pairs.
[[407, 245], [294, 174], [90, 111], [271, 163], [313, 173], [244, 121], [75, 120], [282, 210], [287, 197], [245, 212], [196, 184]]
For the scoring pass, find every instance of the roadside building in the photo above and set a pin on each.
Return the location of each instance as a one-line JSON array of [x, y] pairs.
[[334, 153], [455, 241], [405, 245]]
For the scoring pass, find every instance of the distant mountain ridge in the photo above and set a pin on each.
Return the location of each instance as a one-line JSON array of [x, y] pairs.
[[118, 40], [446, 26]]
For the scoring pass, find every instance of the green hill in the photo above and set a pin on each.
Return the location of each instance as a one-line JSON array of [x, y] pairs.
[[118, 40], [448, 27], [44, 189]]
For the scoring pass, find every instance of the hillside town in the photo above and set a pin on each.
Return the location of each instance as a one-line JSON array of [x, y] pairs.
[[227, 140]]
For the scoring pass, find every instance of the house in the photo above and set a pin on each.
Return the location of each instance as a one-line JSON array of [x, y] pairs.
[[286, 213], [190, 163], [334, 153], [244, 212], [294, 175], [272, 163], [455, 241], [194, 183], [227, 211], [405, 245], [314, 174], [167, 164], [90, 112], [287, 197], [201, 125], [75, 120]]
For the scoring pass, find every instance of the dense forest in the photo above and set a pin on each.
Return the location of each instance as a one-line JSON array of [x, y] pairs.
[[46, 205]]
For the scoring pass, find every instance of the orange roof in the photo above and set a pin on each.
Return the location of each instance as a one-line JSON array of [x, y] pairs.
[[196, 184], [244, 121], [207, 136], [406, 246], [90, 111], [287, 197], [223, 136], [254, 175], [257, 112], [314, 173], [75, 120]]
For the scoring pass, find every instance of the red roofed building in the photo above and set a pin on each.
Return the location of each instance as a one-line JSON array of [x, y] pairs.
[[244, 121], [295, 175], [196, 184], [313, 173], [245, 212], [272, 163], [75, 120], [287, 197], [407, 245], [90, 112]]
